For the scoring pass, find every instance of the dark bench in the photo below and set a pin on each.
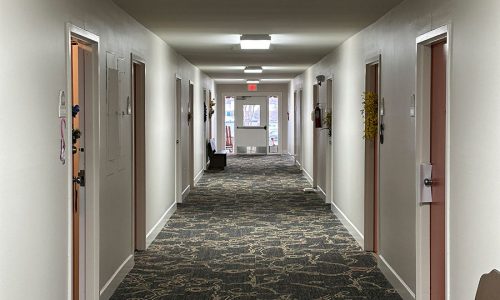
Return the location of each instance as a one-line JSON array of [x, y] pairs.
[[489, 286], [218, 159]]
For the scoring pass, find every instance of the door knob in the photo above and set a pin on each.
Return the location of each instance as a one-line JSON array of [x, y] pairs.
[[80, 179], [428, 182]]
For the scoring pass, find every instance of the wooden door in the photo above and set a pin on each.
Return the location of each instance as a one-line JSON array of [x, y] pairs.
[[191, 134], [372, 170], [438, 156], [78, 159], [298, 128], [375, 89], [139, 103], [316, 132]]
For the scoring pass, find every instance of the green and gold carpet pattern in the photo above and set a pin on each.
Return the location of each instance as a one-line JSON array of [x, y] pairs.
[[250, 232]]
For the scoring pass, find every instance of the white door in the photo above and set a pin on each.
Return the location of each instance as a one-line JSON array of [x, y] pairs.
[[251, 125]]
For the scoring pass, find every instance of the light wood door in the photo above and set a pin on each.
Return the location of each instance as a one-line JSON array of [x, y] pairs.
[[438, 156], [78, 159]]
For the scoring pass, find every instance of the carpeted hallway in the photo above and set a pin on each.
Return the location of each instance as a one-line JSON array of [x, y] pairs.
[[250, 232]]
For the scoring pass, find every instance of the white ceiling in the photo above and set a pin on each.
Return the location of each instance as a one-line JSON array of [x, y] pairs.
[[207, 32]]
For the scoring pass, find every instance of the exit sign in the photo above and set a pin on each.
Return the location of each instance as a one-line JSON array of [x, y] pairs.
[[252, 87]]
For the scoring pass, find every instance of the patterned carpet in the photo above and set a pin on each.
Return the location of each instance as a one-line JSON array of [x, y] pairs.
[[250, 232]]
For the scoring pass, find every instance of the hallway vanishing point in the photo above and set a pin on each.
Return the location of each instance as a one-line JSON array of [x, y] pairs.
[[250, 232]]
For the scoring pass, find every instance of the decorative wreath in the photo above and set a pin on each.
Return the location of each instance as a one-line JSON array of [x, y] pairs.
[[370, 114]]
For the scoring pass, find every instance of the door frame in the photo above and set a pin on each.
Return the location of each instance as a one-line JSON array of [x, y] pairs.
[[191, 171], [371, 240], [329, 154], [139, 216], [221, 123], [92, 166], [422, 155], [298, 118], [316, 132], [206, 132], [178, 141]]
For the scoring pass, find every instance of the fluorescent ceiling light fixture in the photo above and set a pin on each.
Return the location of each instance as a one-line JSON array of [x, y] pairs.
[[278, 79], [229, 79], [253, 81], [255, 41], [253, 70]]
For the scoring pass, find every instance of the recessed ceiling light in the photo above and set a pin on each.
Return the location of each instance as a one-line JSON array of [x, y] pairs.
[[253, 81], [255, 41], [254, 70]]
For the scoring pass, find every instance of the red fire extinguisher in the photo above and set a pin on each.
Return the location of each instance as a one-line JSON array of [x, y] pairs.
[[317, 117]]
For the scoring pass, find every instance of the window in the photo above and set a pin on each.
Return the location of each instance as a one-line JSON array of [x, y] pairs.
[[251, 115], [273, 124], [229, 122]]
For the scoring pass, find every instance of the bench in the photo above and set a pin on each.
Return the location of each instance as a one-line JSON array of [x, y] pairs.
[[218, 159], [489, 286]]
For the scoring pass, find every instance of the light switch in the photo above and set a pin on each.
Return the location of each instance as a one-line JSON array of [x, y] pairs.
[[412, 106], [63, 105]]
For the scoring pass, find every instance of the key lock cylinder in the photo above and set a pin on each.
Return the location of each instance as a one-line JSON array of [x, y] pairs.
[[77, 134]]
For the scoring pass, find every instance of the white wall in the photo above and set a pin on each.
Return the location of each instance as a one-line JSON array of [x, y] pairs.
[[188, 73], [475, 140], [474, 113], [34, 188]]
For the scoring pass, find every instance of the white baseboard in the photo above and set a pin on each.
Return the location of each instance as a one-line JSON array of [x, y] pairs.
[[198, 177], [307, 176], [397, 282], [115, 280], [299, 164], [358, 236], [185, 193], [153, 233], [321, 193]]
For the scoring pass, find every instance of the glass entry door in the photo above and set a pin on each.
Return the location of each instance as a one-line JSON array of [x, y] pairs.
[[251, 116]]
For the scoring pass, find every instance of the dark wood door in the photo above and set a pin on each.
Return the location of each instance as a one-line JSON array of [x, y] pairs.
[[438, 158]]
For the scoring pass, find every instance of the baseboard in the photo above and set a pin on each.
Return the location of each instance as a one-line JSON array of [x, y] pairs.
[[358, 236], [115, 280], [153, 233], [321, 193], [185, 193], [397, 282], [299, 164], [198, 177], [307, 176]]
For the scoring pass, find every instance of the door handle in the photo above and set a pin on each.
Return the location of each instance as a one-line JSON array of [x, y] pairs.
[[80, 179], [428, 182]]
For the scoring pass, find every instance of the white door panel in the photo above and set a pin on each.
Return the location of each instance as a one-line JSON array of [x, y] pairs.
[[251, 116]]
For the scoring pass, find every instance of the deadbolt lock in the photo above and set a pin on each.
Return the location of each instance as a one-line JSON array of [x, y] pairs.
[[80, 179]]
